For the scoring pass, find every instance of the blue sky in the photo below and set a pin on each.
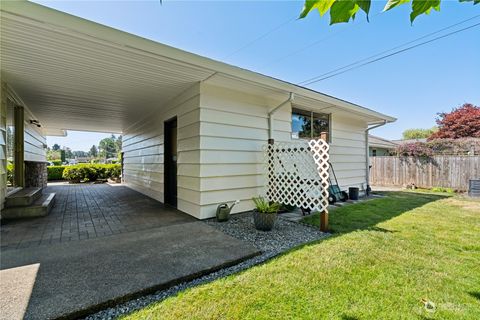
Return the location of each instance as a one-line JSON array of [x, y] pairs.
[[413, 86]]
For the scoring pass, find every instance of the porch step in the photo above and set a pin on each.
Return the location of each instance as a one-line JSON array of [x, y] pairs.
[[23, 197], [39, 208]]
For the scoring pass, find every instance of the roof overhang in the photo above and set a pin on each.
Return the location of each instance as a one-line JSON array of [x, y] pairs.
[[377, 142], [79, 75]]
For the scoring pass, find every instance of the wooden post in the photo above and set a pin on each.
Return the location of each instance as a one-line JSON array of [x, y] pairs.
[[18, 119], [324, 221], [270, 170], [324, 214], [324, 136]]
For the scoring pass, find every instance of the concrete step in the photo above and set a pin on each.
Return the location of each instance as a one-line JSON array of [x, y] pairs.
[[23, 197], [39, 208]]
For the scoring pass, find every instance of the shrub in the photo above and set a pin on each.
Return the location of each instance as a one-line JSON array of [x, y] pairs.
[[55, 172], [73, 174], [91, 172], [462, 146], [415, 149], [113, 171], [442, 189], [10, 173], [56, 162], [79, 173], [100, 171]]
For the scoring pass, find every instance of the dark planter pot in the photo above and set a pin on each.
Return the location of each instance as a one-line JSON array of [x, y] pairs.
[[264, 221]]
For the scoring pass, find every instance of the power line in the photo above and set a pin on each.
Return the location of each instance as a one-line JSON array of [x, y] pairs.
[[248, 44], [391, 49], [312, 44], [356, 64]]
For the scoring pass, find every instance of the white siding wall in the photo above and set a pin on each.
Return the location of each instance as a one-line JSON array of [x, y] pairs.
[[221, 133], [233, 129], [143, 147], [34, 142], [347, 150]]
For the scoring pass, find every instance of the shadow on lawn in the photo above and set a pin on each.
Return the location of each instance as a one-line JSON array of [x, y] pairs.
[[366, 215], [475, 294]]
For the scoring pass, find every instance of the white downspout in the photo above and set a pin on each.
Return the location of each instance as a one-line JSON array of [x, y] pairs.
[[271, 112], [367, 153]]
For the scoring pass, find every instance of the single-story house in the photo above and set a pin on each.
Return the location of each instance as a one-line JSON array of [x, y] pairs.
[[379, 146], [193, 128], [405, 141]]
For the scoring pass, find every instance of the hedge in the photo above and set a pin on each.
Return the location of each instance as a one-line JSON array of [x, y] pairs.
[[55, 172], [56, 162], [84, 172], [91, 172], [10, 173]]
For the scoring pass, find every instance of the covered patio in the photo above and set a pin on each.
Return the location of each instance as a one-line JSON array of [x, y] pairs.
[[87, 212], [101, 245]]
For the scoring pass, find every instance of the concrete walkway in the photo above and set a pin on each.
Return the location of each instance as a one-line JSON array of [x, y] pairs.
[[73, 278]]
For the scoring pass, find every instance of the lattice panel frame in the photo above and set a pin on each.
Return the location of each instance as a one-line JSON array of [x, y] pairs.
[[297, 173]]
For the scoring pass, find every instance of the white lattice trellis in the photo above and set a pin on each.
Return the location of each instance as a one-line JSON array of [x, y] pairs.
[[297, 173]]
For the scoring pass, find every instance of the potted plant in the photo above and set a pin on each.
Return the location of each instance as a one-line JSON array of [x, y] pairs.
[[264, 214]]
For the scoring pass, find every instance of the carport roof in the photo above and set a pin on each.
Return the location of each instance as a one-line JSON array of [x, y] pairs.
[[79, 75]]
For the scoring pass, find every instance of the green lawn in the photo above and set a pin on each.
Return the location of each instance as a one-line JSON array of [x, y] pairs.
[[386, 255]]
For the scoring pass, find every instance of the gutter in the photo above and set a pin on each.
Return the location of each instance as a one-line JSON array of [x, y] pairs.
[[367, 156], [273, 111]]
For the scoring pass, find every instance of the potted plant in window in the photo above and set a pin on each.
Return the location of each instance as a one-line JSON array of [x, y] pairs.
[[264, 214]]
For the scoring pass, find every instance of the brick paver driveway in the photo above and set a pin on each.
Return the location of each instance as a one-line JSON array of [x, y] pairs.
[[89, 211], [102, 245]]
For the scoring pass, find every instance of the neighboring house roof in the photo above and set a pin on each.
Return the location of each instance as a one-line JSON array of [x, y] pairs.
[[377, 142], [80, 75], [404, 141]]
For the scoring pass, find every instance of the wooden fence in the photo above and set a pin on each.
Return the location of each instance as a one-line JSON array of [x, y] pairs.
[[443, 171]]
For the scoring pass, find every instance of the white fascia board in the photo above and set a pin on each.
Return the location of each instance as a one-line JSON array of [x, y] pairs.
[[64, 22], [52, 132]]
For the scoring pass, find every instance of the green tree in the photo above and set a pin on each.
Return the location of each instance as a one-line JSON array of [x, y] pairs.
[[107, 148], [118, 145], [346, 10], [80, 154], [93, 151], [53, 155], [418, 133], [56, 147], [68, 152]]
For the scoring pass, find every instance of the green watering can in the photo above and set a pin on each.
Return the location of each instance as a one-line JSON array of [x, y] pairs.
[[223, 211]]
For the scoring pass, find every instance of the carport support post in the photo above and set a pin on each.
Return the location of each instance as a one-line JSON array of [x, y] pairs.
[[18, 118], [324, 221]]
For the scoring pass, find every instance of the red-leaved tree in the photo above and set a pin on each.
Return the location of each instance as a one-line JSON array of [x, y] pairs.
[[462, 122]]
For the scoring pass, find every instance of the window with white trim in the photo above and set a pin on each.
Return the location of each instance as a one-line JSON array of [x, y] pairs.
[[303, 121]]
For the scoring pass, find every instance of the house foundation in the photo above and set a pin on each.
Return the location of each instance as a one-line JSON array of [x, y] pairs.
[[35, 174]]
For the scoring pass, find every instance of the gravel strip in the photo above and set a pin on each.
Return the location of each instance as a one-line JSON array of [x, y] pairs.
[[284, 236]]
